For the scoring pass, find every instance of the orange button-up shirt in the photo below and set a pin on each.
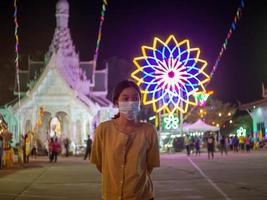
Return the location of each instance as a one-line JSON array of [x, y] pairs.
[[125, 161]]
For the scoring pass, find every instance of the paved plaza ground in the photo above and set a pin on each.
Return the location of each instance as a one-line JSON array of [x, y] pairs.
[[235, 176]]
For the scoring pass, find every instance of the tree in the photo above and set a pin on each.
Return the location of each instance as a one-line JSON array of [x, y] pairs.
[[215, 113], [242, 120]]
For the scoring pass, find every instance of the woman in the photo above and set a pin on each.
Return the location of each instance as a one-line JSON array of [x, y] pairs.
[[124, 150]]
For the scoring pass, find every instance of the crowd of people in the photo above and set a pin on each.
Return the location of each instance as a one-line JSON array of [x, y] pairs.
[[55, 148], [194, 144], [26, 148]]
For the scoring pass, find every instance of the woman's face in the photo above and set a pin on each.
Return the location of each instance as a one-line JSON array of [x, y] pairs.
[[129, 94]]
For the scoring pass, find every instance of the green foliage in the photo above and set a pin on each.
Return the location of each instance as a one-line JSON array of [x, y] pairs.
[[215, 112], [244, 120]]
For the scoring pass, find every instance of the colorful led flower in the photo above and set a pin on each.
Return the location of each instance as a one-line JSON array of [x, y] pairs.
[[169, 74], [201, 97], [171, 122]]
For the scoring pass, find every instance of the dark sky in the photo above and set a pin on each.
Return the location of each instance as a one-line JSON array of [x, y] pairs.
[[131, 23]]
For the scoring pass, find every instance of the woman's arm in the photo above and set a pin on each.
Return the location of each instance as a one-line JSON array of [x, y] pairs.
[[153, 157], [96, 153]]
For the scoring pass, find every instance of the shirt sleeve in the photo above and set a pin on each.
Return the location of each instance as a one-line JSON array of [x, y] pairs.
[[153, 157], [96, 153]]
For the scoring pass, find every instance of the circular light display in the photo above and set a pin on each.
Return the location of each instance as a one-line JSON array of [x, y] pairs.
[[169, 74]]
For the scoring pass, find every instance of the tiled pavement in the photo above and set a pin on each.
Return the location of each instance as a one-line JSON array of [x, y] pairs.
[[236, 176]]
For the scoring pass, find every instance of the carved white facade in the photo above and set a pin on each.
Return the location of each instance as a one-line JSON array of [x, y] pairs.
[[69, 90]]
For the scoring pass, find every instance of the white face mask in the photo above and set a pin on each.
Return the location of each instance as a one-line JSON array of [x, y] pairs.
[[129, 109]]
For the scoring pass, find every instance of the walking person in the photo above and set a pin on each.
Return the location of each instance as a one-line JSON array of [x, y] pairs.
[[50, 147], [231, 144], [242, 143], [88, 147], [223, 142], [20, 153], [210, 146], [197, 146], [1, 151], [125, 150], [56, 147], [235, 143], [247, 142], [26, 148], [187, 143], [175, 144], [34, 151], [67, 146]]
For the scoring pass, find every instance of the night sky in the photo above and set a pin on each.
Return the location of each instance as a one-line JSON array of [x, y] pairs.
[[131, 23]]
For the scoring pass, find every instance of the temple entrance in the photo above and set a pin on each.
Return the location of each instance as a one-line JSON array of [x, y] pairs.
[[55, 128]]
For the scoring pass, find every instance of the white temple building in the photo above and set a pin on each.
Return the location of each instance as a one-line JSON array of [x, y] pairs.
[[71, 92], [258, 113]]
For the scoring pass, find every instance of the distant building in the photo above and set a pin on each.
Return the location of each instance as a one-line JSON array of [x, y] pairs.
[[258, 112], [72, 93]]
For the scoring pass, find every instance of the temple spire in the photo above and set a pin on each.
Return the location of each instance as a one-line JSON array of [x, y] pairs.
[[62, 13], [62, 54], [62, 39]]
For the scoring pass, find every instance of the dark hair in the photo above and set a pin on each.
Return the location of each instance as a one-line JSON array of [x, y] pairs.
[[121, 86]]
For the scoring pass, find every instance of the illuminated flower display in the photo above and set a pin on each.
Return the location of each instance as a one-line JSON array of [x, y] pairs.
[[171, 122], [201, 97], [169, 74]]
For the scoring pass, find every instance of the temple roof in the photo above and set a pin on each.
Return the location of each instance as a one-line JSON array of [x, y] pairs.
[[23, 80], [35, 68], [257, 103], [81, 76], [101, 84], [253, 104]]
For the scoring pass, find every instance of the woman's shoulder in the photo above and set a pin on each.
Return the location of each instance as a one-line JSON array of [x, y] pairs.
[[104, 125], [148, 126]]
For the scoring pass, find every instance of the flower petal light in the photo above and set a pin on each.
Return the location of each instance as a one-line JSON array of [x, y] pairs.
[[169, 74]]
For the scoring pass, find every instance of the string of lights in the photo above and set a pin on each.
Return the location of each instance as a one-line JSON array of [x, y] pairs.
[[229, 34], [102, 18], [17, 52], [233, 27]]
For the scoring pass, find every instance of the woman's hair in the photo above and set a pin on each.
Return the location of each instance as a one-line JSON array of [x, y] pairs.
[[121, 86]]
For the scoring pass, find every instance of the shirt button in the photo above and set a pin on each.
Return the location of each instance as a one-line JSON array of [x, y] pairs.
[[122, 166], [121, 182]]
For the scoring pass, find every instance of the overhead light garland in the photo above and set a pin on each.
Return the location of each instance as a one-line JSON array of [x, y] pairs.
[[234, 24], [102, 18], [17, 53], [16, 45]]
